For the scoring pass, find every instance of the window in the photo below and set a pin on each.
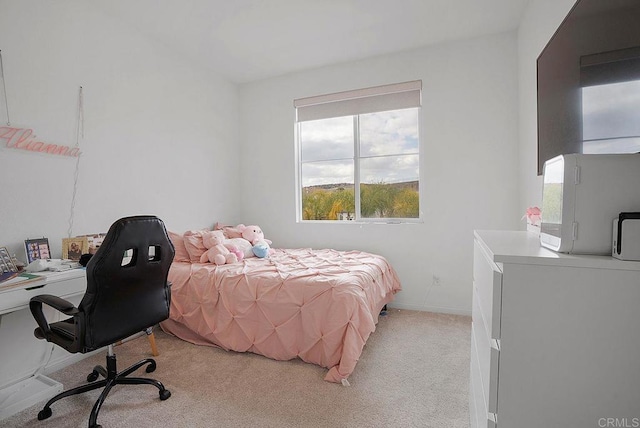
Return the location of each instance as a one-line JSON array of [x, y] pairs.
[[611, 118], [359, 154], [610, 84]]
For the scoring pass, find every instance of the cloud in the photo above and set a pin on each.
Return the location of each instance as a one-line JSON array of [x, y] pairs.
[[622, 145], [326, 139], [327, 172], [611, 110], [394, 132], [389, 169], [389, 147]]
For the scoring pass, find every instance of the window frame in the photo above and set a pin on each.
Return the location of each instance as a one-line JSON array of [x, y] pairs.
[[357, 158]]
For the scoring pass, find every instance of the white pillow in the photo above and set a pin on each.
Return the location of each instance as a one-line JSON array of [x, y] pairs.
[[243, 245]]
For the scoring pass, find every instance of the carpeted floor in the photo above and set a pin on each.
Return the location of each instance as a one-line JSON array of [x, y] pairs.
[[413, 372]]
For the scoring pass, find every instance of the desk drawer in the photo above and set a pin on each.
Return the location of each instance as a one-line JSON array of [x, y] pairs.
[[487, 279], [18, 298]]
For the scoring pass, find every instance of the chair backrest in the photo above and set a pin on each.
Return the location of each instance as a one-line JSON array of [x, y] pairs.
[[127, 288]]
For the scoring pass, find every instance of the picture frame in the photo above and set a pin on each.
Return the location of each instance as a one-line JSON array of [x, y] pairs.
[[8, 269], [73, 248], [37, 249], [94, 241]]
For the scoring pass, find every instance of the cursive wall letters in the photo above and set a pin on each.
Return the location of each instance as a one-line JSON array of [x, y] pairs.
[[25, 139]]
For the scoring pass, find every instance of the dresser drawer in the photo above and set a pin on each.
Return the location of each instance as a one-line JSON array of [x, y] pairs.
[[480, 414], [477, 409], [488, 355], [487, 281]]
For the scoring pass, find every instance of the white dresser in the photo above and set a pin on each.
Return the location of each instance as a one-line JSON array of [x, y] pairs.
[[555, 337]]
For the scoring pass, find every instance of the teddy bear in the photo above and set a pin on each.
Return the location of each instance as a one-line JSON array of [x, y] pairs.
[[254, 234], [216, 252]]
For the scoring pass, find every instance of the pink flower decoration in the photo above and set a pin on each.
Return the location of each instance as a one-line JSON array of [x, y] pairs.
[[534, 215]]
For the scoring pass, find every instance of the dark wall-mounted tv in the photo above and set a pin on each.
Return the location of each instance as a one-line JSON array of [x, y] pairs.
[[589, 82]]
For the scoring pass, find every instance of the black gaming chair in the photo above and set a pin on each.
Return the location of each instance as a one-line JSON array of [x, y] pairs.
[[127, 292]]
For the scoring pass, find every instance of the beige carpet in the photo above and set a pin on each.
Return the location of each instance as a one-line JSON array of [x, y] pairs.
[[413, 372]]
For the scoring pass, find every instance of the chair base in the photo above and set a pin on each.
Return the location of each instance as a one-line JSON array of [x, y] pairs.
[[111, 378]]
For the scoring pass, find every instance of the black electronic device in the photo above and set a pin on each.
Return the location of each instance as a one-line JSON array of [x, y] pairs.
[[588, 78]]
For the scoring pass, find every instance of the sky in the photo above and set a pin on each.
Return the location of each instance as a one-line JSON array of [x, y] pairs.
[[611, 112], [389, 147]]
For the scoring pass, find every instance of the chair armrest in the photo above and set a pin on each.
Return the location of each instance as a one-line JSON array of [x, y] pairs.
[[57, 303]]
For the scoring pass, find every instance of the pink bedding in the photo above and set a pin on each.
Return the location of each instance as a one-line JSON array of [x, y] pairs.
[[316, 305]]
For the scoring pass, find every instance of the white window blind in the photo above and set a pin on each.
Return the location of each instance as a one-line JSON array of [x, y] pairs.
[[360, 101]]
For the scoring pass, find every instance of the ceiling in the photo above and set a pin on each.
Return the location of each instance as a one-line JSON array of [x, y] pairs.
[[248, 40]]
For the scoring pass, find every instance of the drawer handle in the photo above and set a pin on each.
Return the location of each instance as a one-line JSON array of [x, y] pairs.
[[35, 287]]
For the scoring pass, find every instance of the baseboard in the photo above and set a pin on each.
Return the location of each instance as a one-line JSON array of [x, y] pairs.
[[67, 361], [426, 308]]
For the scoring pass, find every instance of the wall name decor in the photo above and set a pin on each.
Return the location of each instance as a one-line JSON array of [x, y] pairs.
[[25, 139]]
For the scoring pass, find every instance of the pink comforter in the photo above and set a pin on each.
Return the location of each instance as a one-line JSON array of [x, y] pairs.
[[317, 305]]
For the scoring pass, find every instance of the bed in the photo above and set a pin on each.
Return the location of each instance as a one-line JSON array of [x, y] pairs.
[[316, 305]]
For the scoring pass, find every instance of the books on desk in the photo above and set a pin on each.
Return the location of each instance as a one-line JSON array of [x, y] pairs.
[[55, 276], [4, 276], [21, 279]]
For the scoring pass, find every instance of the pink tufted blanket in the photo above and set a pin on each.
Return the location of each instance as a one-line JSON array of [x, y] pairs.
[[317, 305]]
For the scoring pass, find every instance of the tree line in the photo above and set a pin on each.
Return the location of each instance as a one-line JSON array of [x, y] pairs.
[[378, 200]]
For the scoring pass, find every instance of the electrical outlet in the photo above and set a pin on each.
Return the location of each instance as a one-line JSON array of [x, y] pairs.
[[436, 280]]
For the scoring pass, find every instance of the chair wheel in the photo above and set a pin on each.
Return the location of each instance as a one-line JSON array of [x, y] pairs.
[[164, 394], [151, 367], [44, 413], [93, 376]]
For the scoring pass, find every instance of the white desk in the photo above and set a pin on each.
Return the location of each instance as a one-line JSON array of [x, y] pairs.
[[23, 358], [62, 284]]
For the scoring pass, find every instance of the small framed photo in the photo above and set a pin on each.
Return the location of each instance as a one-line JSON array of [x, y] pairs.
[[37, 249], [7, 268], [73, 248], [94, 242]]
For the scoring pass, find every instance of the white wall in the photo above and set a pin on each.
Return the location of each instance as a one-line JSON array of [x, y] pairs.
[[469, 158], [539, 23], [161, 134], [159, 131]]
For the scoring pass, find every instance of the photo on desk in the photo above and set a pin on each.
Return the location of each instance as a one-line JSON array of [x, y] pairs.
[[8, 269], [37, 249], [73, 248]]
